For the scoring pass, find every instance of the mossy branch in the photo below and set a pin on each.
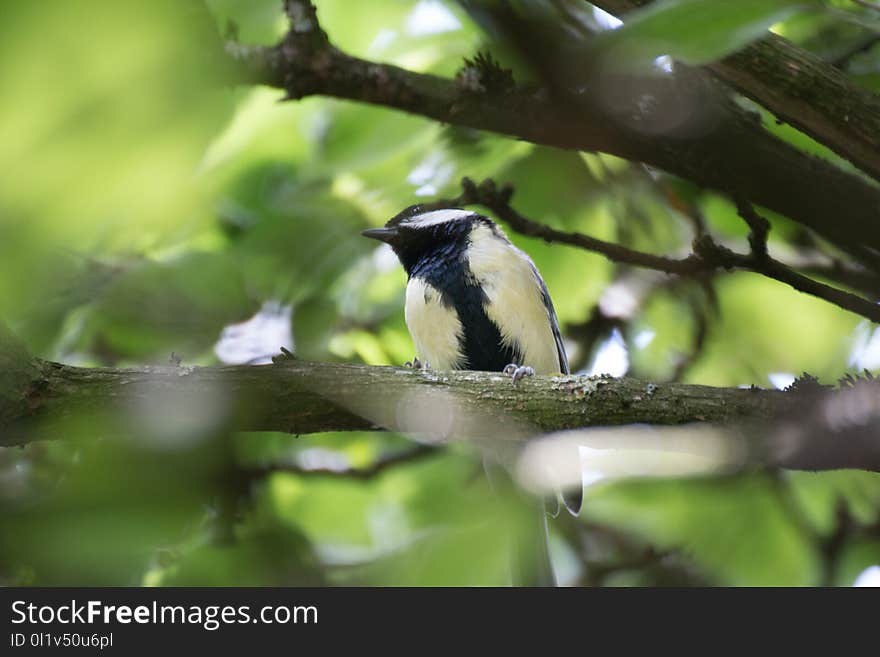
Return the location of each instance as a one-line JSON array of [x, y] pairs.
[[800, 428], [304, 397]]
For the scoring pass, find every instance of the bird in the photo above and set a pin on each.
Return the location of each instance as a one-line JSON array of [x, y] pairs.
[[474, 301]]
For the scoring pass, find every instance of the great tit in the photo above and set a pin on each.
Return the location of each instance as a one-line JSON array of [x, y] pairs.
[[475, 301]]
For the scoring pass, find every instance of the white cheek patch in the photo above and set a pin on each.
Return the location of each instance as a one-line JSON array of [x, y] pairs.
[[435, 328], [516, 305], [436, 217]]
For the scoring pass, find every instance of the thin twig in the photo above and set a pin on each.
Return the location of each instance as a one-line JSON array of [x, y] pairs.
[[759, 226], [698, 341], [853, 277], [687, 208], [707, 256], [497, 200]]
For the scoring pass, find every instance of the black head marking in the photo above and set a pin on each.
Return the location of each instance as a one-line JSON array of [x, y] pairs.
[[419, 233]]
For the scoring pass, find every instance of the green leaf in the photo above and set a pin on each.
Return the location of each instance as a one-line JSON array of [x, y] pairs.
[[735, 527], [266, 556], [694, 31], [99, 522], [757, 332], [99, 151], [180, 305]]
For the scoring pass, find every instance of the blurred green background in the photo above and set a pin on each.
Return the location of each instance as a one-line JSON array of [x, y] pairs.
[[146, 208]]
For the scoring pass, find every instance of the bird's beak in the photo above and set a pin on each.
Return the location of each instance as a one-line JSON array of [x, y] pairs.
[[382, 234]]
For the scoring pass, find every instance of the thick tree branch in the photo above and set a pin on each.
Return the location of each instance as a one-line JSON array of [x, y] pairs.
[[304, 397], [182, 403], [497, 199], [732, 153], [800, 89]]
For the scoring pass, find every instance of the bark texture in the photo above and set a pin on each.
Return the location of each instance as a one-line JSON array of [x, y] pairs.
[[717, 145], [800, 89], [303, 397]]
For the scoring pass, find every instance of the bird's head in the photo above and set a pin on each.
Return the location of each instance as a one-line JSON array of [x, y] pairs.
[[417, 232]]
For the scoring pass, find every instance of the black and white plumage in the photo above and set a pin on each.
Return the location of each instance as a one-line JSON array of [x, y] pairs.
[[473, 301]]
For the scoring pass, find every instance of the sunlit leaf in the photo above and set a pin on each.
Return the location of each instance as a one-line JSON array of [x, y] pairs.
[[177, 306], [693, 31]]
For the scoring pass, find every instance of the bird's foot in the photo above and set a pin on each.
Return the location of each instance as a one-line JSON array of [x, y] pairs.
[[416, 364], [285, 354], [516, 372]]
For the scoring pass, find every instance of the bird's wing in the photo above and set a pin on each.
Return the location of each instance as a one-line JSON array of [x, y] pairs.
[[571, 497], [554, 323]]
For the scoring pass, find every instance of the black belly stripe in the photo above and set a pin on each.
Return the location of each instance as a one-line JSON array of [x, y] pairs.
[[481, 343]]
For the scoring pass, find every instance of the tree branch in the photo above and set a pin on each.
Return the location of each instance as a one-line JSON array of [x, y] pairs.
[[708, 255], [173, 404], [732, 154], [800, 89], [304, 397], [490, 196]]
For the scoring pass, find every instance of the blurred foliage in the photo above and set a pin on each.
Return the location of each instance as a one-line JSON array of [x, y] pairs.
[[145, 207], [695, 31]]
